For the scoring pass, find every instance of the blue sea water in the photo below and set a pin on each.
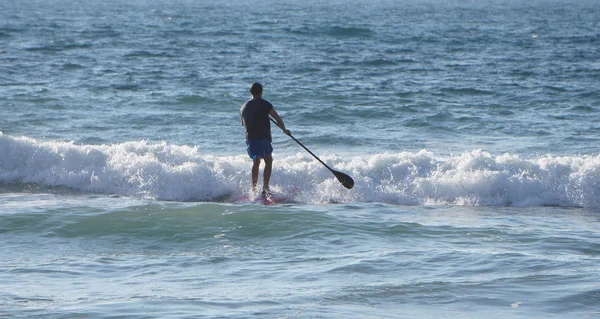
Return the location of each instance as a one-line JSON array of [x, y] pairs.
[[469, 127]]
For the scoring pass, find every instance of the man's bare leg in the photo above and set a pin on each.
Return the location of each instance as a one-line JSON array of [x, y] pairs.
[[255, 167], [267, 173]]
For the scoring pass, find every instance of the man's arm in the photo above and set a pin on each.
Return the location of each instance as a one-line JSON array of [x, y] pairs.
[[241, 115], [279, 121]]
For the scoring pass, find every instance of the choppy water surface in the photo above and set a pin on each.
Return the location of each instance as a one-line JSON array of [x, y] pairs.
[[469, 128]]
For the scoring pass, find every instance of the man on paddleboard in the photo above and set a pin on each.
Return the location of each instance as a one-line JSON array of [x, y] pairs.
[[255, 119]]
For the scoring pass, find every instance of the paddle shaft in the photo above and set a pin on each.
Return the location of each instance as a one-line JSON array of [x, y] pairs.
[[304, 147], [346, 180]]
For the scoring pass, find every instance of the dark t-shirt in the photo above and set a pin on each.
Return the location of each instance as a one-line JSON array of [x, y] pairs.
[[256, 119]]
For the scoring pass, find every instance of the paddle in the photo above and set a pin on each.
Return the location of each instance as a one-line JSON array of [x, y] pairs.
[[346, 180]]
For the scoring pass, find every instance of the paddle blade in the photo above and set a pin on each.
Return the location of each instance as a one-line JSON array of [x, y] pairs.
[[346, 180]]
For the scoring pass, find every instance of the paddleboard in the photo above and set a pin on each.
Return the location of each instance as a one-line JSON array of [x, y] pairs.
[[246, 199]]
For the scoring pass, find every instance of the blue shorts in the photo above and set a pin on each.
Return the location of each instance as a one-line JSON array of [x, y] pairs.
[[259, 148]]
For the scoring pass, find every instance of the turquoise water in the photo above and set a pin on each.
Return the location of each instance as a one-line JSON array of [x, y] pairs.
[[89, 257], [469, 128]]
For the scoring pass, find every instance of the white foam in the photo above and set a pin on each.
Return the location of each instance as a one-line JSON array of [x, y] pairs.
[[183, 173]]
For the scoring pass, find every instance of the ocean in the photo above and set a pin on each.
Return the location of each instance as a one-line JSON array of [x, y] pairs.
[[470, 129]]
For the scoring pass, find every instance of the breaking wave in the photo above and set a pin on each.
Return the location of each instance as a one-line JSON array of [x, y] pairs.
[[164, 171]]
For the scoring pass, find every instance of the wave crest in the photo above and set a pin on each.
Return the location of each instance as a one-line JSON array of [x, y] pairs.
[[182, 173]]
